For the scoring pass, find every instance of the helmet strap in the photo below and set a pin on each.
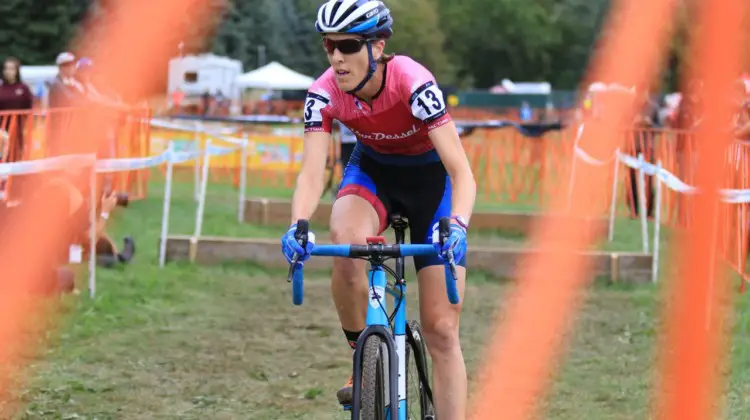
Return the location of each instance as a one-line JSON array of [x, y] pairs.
[[370, 71]]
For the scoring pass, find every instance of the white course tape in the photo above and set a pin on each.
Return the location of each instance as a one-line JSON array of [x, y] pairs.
[[110, 165], [669, 179]]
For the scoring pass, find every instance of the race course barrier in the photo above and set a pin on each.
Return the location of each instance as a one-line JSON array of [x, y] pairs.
[[42, 133], [169, 157], [734, 243], [500, 262]]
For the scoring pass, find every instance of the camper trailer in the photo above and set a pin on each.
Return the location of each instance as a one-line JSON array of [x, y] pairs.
[[196, 75]]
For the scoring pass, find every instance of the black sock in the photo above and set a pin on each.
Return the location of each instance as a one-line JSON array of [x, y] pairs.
[[351, 337]]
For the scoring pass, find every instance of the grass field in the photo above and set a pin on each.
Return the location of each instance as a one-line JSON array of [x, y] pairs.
[[225, 342]]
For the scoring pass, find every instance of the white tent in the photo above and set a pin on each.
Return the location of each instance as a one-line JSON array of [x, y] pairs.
[[274, 76], [539, 88]]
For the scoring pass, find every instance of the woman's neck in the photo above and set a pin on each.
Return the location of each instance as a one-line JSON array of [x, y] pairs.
[[372, 87]]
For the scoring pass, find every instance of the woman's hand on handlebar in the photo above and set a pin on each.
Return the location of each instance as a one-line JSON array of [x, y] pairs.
[[449, 238], [298, 242]]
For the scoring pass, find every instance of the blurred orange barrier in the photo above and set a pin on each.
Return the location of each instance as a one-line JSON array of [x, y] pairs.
[[37, 134], [132, 50], [694, 324], [521, 355]]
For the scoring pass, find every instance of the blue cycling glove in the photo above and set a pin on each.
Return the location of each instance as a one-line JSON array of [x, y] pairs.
[[456, 241], [290, 247]]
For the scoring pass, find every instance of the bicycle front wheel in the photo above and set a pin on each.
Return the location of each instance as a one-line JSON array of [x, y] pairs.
[[418, 391], [374, 376]]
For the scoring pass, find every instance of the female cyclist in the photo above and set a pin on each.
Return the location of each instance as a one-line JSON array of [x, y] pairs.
[[408, 159]]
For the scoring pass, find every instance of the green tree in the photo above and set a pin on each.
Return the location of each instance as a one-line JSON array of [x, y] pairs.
[[578, 23], [417, 33], [495, 39], [35, 31], [284, 29]]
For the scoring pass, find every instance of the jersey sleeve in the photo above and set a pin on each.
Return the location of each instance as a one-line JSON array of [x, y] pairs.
[[426, 100], [317, 111]]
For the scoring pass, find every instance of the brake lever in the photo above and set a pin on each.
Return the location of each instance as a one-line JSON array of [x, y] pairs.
[[292, 266], [301, 237], [445, 228], [452, 265]]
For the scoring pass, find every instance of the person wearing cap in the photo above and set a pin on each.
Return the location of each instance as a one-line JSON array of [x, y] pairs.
[[65, 89], [64, 92]]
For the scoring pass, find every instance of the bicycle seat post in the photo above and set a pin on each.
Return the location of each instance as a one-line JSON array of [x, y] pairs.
[[399, 225]]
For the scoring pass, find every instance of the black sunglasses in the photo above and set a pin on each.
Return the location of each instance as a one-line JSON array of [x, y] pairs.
[[345, 46]]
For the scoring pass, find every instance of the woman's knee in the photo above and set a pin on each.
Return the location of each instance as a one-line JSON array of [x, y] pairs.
[[441, 334], [347, 233], [353, 219]]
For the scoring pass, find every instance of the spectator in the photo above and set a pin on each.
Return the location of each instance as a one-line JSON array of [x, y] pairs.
[[742, 116], [64, 92], [68, 197], [643, 143], [14, 96], [206, 103], [107, 116], [687, 119], [526, 113], [177, 99], [92, 88]]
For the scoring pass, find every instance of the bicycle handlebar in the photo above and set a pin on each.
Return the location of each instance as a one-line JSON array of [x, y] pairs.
[[371, 251]]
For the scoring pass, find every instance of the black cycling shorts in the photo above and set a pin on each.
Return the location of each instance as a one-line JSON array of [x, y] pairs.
[[420, 193]]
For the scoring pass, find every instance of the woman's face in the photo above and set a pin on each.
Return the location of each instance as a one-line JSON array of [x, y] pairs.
[[347, 54], [10, 71]]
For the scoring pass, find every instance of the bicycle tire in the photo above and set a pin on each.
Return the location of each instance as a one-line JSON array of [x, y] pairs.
[[373, 395], [416, 349]]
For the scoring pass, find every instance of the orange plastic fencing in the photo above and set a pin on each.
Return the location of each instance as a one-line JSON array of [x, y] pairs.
[[273, 154], [38, 134]]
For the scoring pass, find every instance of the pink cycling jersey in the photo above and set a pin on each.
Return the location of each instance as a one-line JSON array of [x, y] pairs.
[[406, 109]]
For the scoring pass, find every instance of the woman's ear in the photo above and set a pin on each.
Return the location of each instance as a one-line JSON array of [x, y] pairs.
[[378, 47]]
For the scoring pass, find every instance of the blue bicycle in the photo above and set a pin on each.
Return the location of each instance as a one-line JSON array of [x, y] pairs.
[[389, 342]]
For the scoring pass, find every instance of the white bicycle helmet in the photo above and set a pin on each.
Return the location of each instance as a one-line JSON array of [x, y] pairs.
[[368, 18]]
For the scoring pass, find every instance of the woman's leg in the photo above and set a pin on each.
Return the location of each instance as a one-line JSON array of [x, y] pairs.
[[357, 213], [439, 318]]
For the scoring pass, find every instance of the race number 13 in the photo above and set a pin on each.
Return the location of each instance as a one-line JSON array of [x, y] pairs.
[[427, 102]]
